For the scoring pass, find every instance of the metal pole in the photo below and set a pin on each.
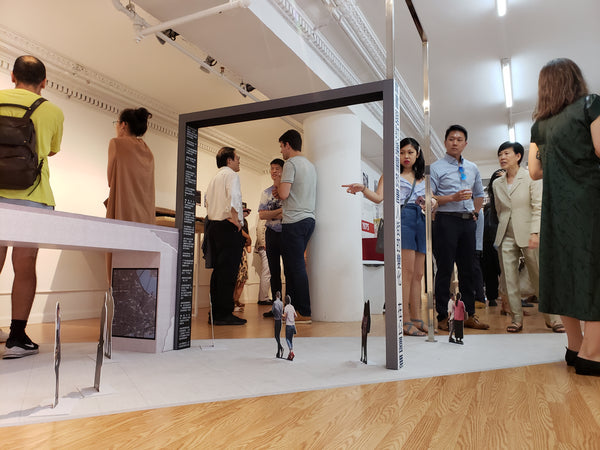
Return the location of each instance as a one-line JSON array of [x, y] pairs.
[[389, 40], [428, 160], [391, 173]]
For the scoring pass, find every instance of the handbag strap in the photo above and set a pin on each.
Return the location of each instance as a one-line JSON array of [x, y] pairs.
[[411, 191]]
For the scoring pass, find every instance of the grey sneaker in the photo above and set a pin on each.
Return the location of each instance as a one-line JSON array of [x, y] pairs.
[[17, 348]]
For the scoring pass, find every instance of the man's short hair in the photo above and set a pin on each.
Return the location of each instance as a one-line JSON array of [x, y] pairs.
[[29, 70], [293, 138], [460, 128], [223, 155], [278, 161]]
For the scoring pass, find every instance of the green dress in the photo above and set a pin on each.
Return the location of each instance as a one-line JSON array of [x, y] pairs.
[[570, 228]]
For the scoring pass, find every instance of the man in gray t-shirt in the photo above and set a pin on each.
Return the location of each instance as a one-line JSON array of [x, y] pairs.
[[298, 190]]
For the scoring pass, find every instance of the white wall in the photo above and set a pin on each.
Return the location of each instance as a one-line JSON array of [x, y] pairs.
[[78, 179]]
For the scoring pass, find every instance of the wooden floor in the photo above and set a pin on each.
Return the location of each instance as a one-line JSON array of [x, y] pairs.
[[538, 407]]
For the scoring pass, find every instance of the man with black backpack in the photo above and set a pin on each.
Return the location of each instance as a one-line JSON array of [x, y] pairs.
[[29, 76]]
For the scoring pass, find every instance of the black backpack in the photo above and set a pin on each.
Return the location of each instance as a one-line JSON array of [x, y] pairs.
[[19, 166]]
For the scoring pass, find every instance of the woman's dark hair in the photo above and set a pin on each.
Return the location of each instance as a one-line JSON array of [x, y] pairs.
[[517, 148], [560, 84], [419, 165], [136, 119], [288, 299], [491, 204], [223, 155]]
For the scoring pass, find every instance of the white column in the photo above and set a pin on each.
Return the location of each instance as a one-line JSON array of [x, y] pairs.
[[332, 142]]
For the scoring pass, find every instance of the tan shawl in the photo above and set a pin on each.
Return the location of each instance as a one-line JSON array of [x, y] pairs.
[[131, 181]]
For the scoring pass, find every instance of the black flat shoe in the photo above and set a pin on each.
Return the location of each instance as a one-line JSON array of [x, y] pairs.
[[587, 367], [570, 357]]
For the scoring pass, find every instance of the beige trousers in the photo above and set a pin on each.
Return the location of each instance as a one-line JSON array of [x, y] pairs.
[[509, 254]]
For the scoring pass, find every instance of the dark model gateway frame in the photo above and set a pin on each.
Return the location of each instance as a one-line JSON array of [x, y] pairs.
[[386, 91]]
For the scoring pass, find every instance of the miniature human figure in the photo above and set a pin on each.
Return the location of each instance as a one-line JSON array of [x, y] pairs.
[[451, 317], [277, 310], [365, 328], [289, 315], [459, 318]]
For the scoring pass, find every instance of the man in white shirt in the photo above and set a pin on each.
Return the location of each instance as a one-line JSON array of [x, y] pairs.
[[223, 231]]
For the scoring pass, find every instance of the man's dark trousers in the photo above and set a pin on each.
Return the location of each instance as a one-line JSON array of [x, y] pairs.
[[453, 241], [227, 244]]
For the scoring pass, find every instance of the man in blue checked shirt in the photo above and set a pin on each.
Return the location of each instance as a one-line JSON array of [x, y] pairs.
[[456, 185]]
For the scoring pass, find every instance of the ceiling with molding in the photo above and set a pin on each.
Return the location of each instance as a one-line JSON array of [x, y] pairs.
[[285, 47]]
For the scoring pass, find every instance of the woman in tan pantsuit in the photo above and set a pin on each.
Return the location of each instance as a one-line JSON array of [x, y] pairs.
[[518, 202]]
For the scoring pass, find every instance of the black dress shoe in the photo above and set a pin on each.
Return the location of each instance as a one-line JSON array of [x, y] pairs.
[[268, 314], [526, 304], [230, 320], [265, 302], [587, 367], [570, 357]]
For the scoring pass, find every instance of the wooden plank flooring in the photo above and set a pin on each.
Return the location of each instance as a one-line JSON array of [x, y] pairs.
[[539, 407]]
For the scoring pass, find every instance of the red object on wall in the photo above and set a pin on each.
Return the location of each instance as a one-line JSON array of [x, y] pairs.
[[368, 227], [369, 253]]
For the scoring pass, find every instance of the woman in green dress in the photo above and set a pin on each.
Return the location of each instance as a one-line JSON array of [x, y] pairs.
[[565, 150]]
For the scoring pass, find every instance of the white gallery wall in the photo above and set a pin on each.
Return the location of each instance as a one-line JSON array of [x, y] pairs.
[[78, 178]]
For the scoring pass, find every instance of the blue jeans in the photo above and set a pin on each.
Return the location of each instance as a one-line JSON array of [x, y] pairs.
[[294, 239], [290, 331]]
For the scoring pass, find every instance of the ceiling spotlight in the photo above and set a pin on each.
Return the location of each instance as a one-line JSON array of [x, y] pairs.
[[170, 33], [208, 61], [246, 87]]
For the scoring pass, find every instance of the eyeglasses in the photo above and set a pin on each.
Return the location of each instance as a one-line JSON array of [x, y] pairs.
[[463, 175]]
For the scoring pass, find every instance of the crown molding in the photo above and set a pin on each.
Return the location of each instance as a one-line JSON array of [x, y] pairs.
[[353, 22]]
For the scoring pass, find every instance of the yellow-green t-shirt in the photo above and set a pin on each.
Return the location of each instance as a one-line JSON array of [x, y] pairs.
[[48, 121]]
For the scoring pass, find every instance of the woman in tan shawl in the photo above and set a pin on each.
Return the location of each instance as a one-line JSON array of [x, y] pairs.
[[130, 172]]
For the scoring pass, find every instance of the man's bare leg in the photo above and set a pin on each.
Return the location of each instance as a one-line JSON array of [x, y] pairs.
[[25, 282], [23, 293]]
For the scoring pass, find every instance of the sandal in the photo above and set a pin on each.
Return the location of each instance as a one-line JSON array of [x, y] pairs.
[[557, 327], [411, 330], [421, 325], [514, 327]]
